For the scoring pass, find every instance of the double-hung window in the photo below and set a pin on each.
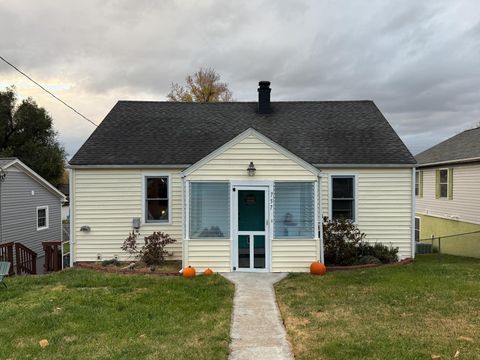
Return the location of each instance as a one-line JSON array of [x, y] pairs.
[[443, 183], [294, 210], [157, 199], [343, 197], [42, 217]]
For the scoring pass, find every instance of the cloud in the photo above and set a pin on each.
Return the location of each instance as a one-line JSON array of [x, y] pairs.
[[418, 61]]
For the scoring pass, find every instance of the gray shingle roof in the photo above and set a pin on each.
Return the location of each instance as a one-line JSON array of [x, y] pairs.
[[160, 133], [465, 145]]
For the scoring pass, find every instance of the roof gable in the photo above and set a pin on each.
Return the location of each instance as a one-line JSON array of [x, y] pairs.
[[167, 133], [251, 133], [6, 163]]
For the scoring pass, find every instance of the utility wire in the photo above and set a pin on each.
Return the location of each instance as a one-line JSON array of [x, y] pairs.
[[49, 92]]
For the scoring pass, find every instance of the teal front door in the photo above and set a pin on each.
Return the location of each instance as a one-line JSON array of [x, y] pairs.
[[251, 233]]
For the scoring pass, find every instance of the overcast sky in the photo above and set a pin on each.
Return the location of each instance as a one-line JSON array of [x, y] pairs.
[[418, 60]]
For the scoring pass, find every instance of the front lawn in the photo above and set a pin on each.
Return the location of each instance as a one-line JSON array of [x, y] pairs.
[[90, 315], [428, 308]]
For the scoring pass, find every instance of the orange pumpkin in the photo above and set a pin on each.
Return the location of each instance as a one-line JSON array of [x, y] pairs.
[[318, 268], [189, 272], [208, 272]]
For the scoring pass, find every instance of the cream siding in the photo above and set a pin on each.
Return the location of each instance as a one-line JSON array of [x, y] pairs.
[[272, 165], [294, 255], [465, 205], [384, 204], [214, 254], [107, 200], [269, 162]]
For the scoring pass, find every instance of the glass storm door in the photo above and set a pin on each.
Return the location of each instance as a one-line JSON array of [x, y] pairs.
[[251, 245]]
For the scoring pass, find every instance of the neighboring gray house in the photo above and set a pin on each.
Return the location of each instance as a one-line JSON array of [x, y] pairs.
[[30, 207]]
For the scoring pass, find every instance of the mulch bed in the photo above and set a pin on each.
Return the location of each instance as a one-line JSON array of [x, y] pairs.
[[367, 266], [119, 270]]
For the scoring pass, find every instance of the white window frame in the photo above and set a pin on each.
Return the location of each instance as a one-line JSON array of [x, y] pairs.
[[144, 200], [45, 207], [440, 183], [355, 193]]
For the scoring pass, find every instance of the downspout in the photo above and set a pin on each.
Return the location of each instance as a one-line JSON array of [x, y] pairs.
[[3, 175], [320, 217], [1, 219], [413, 212], [183, 221], [71, 212]]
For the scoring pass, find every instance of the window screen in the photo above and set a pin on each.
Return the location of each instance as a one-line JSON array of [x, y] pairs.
[[294, 210], [209, 210]]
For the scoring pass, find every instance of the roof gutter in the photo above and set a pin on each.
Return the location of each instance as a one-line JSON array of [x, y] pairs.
[[466, 160], [185, 166], [365, 165], [137, 166]]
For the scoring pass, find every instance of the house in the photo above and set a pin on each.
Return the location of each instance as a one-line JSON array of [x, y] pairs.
[[242, 186], [29, 207], [448, 193]]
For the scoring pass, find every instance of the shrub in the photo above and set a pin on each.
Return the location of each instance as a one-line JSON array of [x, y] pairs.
[[153, 251], [368, 259], [344, 245], [382, 252], [340, 240]]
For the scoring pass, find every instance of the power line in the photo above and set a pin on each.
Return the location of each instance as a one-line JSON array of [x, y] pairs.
[[49, 92]]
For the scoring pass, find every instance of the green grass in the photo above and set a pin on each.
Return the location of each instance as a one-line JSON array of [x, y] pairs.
[[90, 315], [406, 312]]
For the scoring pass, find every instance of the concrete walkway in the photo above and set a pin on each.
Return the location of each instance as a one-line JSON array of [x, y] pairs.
[[257, 330]]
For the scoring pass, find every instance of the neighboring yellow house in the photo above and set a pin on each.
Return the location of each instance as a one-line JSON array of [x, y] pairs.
[[448, 194], [242, 186]]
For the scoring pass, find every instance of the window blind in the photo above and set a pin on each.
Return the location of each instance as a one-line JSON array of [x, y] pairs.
[[209, 210], [294, 210]]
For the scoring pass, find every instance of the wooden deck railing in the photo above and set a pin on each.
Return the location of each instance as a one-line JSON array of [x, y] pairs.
[[26, 260], [6, 254], [53, 255]]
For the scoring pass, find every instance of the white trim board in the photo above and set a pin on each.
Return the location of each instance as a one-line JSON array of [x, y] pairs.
[[47, 214], [242, 137], [449, 162]]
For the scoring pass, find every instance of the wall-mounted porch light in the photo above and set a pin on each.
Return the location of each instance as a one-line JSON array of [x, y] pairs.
[[251, 169]]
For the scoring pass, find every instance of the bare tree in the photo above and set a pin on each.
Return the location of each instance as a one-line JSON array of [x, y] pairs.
[[203, 86]]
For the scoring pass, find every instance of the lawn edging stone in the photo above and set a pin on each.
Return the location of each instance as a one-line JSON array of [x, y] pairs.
[[367, 266]]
